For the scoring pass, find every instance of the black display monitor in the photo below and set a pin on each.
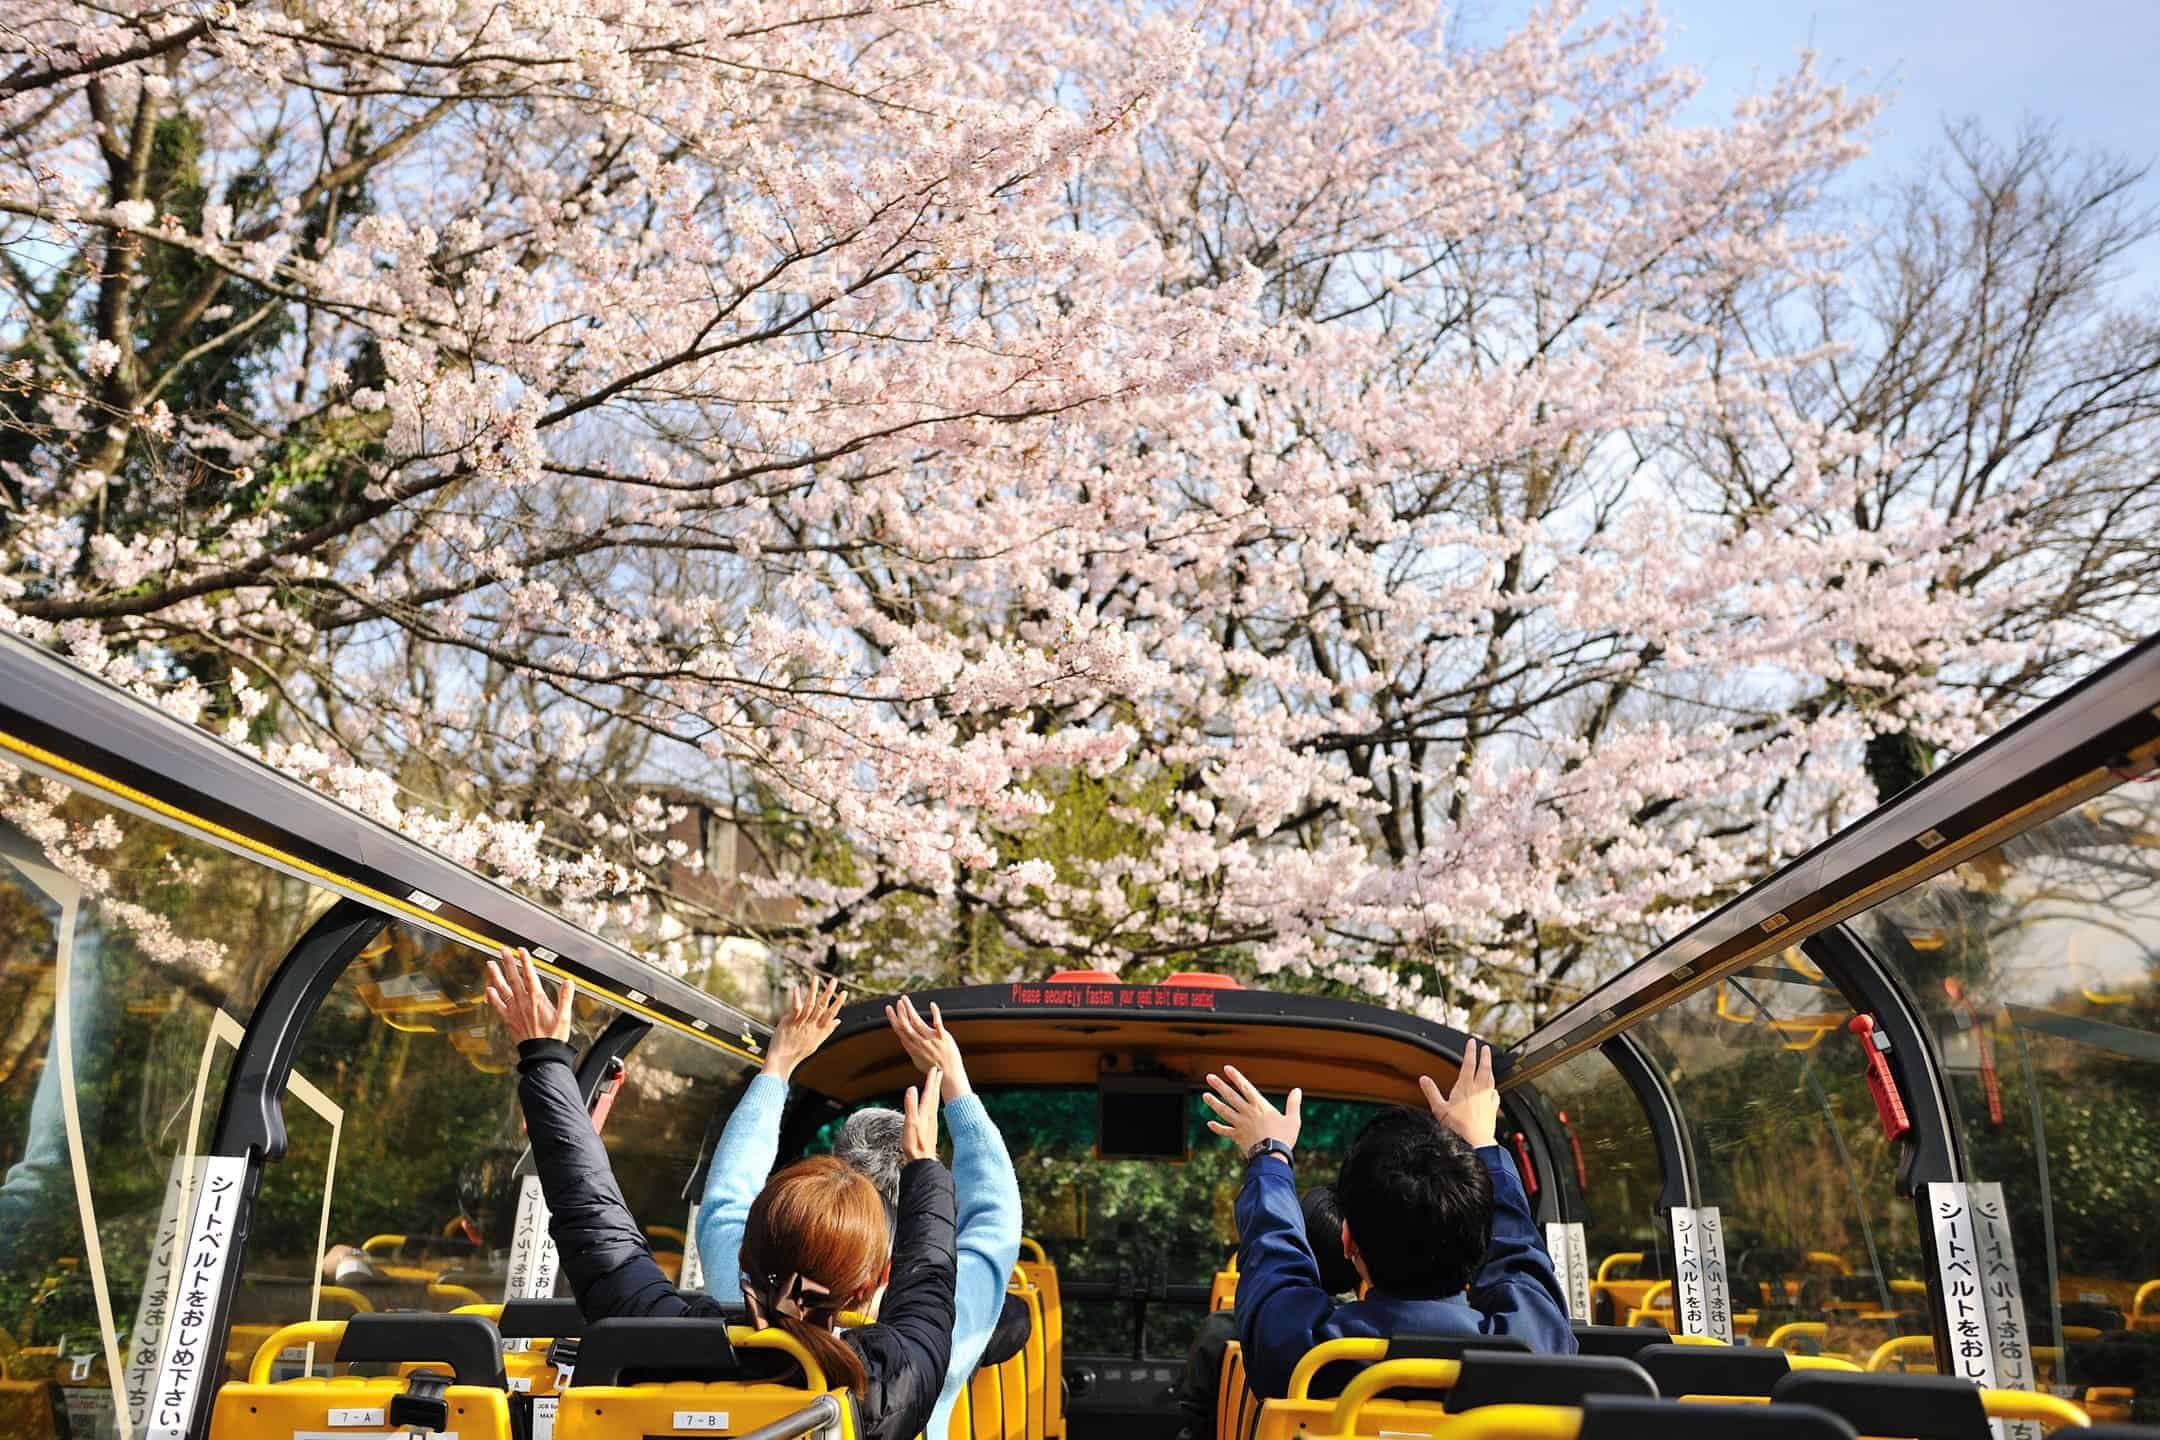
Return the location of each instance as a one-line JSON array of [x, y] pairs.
[[1141, 1118]]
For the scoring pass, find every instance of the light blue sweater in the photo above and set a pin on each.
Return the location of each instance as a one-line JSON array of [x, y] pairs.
[[989, 1214]]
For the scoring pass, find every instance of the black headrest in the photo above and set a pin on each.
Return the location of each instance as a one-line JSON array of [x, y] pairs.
[[1627, 1417], [627, 1350], [1502, 1377], [540, 1319], [1621, 1340], [1713, 1369], [469, 1344], [1919, 1407]]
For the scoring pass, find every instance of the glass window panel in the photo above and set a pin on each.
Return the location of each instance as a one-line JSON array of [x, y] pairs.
[[1788, 1148], [674, 1091], [2036, 964], [418, 1098], [130, 954], [1621, 1177]]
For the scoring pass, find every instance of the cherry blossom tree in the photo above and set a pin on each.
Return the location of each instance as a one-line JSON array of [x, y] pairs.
[[1128, 485]]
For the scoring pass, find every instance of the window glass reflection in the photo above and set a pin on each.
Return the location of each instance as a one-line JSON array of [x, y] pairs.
[[2036, 964]]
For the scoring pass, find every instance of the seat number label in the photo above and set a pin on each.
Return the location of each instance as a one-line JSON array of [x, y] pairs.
[[372, 1419], [701, 1420]]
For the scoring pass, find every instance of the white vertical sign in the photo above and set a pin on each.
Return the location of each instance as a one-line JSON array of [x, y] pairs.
[[532, 1252], [1571, 1266], [1702, 1301], [1717, 1285], [1960, 1264], [2004, 1303], [141, 1357], [543, 1417], [693, 1264], [198, 1279]]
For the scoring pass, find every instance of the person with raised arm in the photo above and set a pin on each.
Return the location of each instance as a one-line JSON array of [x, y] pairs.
[[1434, 1220], [815, 1242]]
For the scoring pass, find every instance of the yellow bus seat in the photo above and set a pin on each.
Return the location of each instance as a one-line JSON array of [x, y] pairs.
[[462, 1392], [986, 1406], [1235, 1404], [1475, 1374], [1940, 1406], [1035, 1358], [1035, 1264], [1631, 1417], [1654, 1302], [641, 1376], [1222, 1294]]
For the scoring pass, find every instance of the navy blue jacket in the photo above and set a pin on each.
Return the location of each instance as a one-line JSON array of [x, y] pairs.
[[1282, 1311]]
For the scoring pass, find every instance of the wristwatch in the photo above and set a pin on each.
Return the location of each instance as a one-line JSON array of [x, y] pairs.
[[1271, 1147]]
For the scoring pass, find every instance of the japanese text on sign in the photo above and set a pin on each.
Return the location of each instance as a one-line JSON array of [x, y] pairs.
[[693, 1264], [1702, 1302], [139, 1360], [2001, 1299], [197, 1280], [532, 1252], [1962, 1262], [1120, 997], [1571, 1266]]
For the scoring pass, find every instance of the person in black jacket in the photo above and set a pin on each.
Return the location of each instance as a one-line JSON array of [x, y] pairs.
[[816, 1243]]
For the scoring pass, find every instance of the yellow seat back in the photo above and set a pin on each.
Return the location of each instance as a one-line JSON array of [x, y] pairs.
[[1036, 1266], [1299, 1413], [1035, 1358], [704, 1408], [356, 1405]]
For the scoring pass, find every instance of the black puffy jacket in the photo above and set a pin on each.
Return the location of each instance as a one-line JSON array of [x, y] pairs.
[[612, 1271]]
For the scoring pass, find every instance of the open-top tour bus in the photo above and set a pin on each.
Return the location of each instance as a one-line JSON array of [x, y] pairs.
[[1890, 1114]]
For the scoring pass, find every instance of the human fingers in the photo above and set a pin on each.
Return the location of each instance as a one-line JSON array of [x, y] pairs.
[[1223, 1088], [1218, 1106], [1245, 1087], [564, 996], [1218, 1127], [1485, 1072], [1434, 1100], [1292, 1106]]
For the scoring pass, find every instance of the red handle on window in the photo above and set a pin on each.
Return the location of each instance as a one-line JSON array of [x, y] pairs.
[[604, 1097], [1529, 1174], [1889, 1105], [1582, 1171]]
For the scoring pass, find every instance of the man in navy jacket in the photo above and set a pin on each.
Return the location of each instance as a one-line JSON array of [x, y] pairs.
[[1434, 1219]]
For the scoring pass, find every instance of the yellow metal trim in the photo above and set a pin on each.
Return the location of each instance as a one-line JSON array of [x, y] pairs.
[[2052, 1411], [1436, 1374], [307, 1332], [234, 839]]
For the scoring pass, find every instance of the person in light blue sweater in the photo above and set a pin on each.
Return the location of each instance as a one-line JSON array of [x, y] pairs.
[[987, 1191]]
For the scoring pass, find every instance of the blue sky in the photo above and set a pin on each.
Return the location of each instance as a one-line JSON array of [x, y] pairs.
[[2086, 67]]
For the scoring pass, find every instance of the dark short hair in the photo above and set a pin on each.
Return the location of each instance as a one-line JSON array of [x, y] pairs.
[[1419, 1205], [1323, 1231]]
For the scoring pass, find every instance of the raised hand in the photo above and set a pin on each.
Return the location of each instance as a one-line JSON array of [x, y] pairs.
[[1472, 1108], [808, 1022], [918, 1133], [1247, 1116], [931, 1046], [515, 991]]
